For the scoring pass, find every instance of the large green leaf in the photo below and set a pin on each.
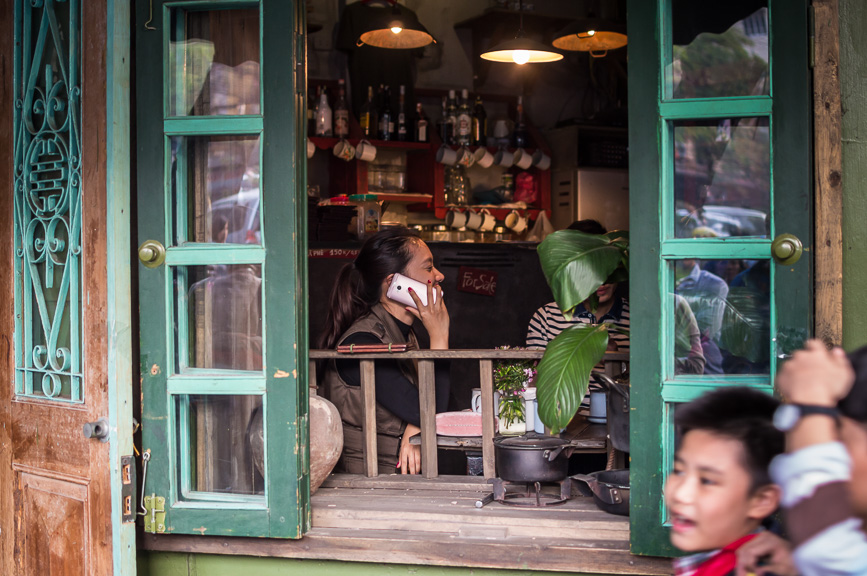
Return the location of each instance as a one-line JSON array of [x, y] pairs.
[[563, 374], [576, 264]]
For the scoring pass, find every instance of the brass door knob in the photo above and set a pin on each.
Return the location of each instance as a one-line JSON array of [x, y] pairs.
[[786, 249], [151, 253]]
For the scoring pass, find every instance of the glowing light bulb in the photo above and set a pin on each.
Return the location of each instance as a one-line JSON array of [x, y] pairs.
[[396, 29], [521, 56]]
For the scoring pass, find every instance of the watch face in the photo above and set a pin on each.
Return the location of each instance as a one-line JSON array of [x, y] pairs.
[[785, 417]]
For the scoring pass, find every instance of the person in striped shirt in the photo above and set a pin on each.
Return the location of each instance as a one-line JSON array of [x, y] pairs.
[[549, 321]]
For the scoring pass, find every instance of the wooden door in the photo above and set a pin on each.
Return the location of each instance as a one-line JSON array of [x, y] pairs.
[[720, 167], [61, 280]]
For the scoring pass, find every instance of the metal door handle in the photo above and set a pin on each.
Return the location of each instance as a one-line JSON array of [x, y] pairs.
[[786, 249], [98, 430], [151, 253]]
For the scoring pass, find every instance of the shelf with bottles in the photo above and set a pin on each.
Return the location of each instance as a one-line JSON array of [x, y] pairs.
[[328, 143]]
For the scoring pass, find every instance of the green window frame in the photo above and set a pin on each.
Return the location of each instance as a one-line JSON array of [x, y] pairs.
[[656, 390], [281, 510]]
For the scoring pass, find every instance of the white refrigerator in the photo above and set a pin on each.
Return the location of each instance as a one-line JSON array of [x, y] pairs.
[[596, 193]]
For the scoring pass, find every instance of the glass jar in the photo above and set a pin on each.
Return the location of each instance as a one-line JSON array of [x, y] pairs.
[[369, 212]]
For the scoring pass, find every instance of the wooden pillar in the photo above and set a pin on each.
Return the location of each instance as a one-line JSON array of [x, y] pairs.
[[827, 119], [368, 392], [427, 410], [486, 381]]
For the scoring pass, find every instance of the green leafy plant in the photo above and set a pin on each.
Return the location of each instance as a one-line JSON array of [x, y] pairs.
[[510, 380], [575, 265]]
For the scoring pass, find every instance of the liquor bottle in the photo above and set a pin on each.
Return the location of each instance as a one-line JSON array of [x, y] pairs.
[[401, 116], [464, 120], [480, 123], [341, 112], [520, 134], [421, 124], [323, 115], [385, 120], [452, 117], [367, 119], [445, 127]]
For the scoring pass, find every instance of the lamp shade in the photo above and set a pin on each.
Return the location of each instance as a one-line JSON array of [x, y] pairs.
[[521, 51], [594, 35], [397, 30]]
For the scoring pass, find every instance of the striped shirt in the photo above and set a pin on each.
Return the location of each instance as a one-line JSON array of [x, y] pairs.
[[548, 322]]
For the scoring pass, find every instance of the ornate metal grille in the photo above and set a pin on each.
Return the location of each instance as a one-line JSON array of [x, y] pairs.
[[47, 148]]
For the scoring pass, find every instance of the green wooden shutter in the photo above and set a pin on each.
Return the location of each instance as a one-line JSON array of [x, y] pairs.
[[221, 185], [657, 114]]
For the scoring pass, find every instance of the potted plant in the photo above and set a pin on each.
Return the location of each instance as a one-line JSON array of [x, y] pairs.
[[511, 380], [575, 264]]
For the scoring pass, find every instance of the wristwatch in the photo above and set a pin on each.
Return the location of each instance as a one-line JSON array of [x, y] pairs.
[[786, 416]]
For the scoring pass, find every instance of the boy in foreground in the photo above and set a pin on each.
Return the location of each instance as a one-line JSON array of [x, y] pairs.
[[719, 491]]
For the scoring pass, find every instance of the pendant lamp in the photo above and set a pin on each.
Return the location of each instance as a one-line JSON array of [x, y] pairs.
[[594, 35], [397, 30], [521, 50]]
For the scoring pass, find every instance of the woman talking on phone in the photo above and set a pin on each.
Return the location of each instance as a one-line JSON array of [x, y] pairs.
[[362, 313]]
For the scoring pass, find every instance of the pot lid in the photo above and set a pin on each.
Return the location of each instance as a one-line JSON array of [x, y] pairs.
[[530, 441]]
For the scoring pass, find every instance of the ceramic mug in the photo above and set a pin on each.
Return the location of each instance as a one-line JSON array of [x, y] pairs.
[[504, 158], [465, 157], [456, 219], [515, 222], [365, 151], [344, 150], [311, 148], [523, 159], [474, 219], [488, 221], [476, 402], [598, 407], [483, 157], [541, 160], [447, 156]]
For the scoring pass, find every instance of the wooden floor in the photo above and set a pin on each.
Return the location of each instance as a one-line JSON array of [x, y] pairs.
[[413, 520]]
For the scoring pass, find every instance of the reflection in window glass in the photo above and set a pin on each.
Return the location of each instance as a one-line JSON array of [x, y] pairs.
[[722, 177], [719, 49], [218, 320], [224, 438], [728, 302], [217, 178], [214, 62]]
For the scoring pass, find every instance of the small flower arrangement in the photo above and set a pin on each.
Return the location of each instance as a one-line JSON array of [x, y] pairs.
[[511, 378]]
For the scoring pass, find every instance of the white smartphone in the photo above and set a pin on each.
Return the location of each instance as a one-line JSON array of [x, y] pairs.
[[398, 290]]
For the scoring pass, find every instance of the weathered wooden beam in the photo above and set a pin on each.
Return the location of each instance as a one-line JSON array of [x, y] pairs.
[[368, 393], [486, 381], [427, 409], [827, 144]]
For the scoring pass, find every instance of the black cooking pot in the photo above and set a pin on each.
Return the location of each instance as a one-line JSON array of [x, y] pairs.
[[532, 458], [610, 489], [618, 410]]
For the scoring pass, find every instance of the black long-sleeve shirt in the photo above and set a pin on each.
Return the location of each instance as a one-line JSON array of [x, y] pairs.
[[394, 391]]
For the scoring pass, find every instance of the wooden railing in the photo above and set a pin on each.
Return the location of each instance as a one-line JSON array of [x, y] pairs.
[[427, 397]]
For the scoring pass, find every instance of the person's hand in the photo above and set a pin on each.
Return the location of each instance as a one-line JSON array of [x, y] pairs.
[[764, 554], [434, 316], [409, 460], [816, 376]]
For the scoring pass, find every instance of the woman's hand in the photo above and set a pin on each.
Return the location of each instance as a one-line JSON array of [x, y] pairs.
[[434, 316], [766, 553], [409, 459]]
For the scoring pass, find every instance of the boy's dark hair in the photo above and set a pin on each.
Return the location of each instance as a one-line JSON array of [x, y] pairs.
[[742, 414], [854, 405]]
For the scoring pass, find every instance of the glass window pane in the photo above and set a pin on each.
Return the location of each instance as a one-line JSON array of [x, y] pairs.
[[222, 443], [719, 49], [722, 178], [214, 62], [218, 319], [215, 184], [722, 316]]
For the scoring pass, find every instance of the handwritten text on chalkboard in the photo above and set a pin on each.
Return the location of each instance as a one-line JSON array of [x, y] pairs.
[[477, 281]]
